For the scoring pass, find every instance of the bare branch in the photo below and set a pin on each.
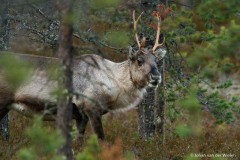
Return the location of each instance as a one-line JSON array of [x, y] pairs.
[[38, 10], [98, 42]]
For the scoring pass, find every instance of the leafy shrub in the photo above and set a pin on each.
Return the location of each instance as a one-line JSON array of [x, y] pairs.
[[45, 143]]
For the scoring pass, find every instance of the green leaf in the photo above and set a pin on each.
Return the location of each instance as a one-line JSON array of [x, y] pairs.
[[183, 131], [16, 70], [26, 154], [118, 38]]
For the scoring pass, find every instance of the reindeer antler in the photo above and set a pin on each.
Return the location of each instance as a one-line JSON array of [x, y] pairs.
[[135, 30], [156, 45]]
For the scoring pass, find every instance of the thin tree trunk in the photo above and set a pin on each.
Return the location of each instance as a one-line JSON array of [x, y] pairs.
[[4, 46], [157, 107], [146, 108], [160, 105], [161, 108], [64, 113], [163, 103], [146, 115], [5, 25]]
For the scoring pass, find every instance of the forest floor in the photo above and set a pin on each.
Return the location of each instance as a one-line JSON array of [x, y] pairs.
[[213, 139]]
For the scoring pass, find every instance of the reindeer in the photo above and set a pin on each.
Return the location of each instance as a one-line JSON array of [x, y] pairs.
[[100, 85]]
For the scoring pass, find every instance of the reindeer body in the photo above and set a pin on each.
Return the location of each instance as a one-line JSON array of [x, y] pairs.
[[99, 85], [110, 82]]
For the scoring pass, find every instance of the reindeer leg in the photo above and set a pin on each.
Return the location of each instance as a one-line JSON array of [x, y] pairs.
[[81, 119], [82, 125], [5, 102], [4, 127], [96, 123], [6, 99], [3, 113]]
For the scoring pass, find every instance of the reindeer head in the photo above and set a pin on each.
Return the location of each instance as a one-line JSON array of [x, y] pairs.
[[143, 62]]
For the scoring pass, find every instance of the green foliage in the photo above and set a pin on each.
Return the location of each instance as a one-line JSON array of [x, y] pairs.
[[191, 103], [72, 17], [220, 54], [129, 155], [207, 38], [27, 154], [104, 3], [183, 131], [171, 97], [227, 42], [225, 85], [44, 143], [15, 69], [222, 109], [173, 113], [219, 158], [118, 38], [218, 11], [90, 150], [191, 157]]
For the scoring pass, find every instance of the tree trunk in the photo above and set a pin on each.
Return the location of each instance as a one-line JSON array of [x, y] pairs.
[[4, 128], [163, 103], [64, 112], [146, 108], [151, 101], [5, 25], [146, 115], [160, 106]]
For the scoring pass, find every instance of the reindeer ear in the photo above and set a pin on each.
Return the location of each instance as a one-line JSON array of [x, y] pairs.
[[160, 53], [131, 53]]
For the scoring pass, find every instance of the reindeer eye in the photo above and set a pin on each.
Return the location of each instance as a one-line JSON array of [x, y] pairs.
[[140, 61]]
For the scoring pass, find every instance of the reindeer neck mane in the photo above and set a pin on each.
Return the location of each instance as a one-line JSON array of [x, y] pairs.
[[124, 75]]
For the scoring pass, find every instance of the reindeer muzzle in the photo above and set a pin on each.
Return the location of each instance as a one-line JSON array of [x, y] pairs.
[[154, 80]]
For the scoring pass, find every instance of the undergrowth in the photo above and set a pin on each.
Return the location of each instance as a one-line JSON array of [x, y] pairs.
[[123, 141]]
